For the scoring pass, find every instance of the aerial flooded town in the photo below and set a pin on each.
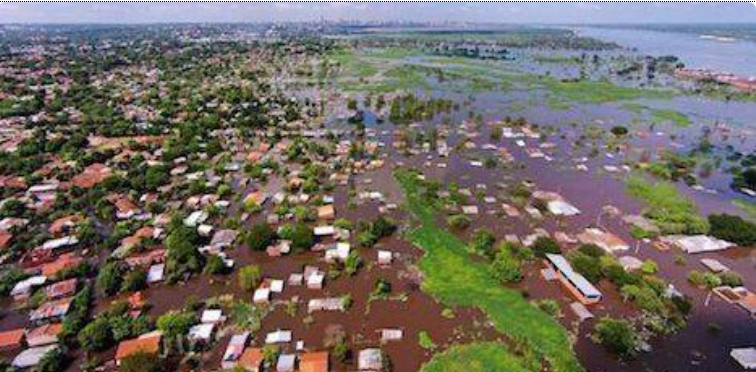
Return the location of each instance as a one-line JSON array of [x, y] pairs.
[[361, 196]]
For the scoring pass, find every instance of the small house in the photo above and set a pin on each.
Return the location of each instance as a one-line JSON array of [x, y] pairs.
[[147, 343], [286, 363], [234, 350], [370, 360], [32, 356], [44, 335], [575, 283], [11, 340], [278, 337], [314, 362], [251, 360]]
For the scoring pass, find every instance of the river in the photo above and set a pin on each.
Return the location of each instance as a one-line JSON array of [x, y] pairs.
[[736, 56]]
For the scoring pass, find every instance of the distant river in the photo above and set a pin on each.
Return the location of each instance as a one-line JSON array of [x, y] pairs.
[[736, 56]]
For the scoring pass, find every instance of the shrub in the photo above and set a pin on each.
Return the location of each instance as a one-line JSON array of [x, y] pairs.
[[425, 341], [175, 324], [505, 267], [544, 245], [733, 229], [616, 335], [216, 266], [135, 280], [458, 221], [482, 243], [249, 277]]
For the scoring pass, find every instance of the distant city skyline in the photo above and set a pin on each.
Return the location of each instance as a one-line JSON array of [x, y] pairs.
[[556, 13]]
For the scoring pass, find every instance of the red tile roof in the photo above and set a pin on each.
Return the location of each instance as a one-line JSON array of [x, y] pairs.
[[149, 343], [11, 339]]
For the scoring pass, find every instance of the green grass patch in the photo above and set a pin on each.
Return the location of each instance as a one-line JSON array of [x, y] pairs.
[[588, 91], [671, 211], [670, 116], [454, 278], [425, 341], [478, 357]]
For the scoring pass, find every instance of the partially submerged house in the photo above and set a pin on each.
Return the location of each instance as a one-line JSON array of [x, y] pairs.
[[575, 283], [697, 243]]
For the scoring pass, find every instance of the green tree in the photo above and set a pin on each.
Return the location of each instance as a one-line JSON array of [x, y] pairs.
[[109, 279], [96, 335], [260, 236]]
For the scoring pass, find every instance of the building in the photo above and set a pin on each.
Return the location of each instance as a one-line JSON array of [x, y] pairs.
[[11, 340], [234, 350], [578, 285], [286, 363], [251, 360], [146, 343], [697, 243], [44, 335], [314, 362], [605, 240], [746, 357], [370, 360], [32, 356]]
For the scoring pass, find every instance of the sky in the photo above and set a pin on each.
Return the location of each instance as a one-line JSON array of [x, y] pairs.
[[584, 12]]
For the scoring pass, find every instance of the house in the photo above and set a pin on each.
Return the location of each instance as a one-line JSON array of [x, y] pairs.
[[91, 176], [32, 356], [23, 289], [313, 362], [146, 343], [384, 258], [697, 243], [59, 243], [11, 340], [578, 285], [278, 337], [261, 296], [714, 265], [286, 363], [51, 310], [338, 252], [324, 231], [325, 304], [44, 335], [5, 239], [64, 225], [746, 357], [125, 208], [562, 208], [213, 316], [61, 289], [63, 262], [630, 263], [326, 212], [234, 350], [196, 218], [156, 273], [251, 360], [605, 240], [391, 334], [202, 332], [370, 360]]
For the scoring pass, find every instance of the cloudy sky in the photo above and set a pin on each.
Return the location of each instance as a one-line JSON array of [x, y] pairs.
[[471, 12]]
